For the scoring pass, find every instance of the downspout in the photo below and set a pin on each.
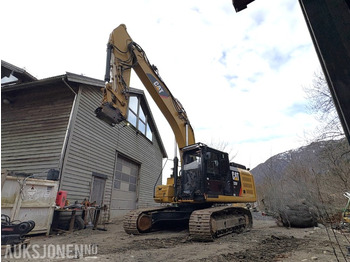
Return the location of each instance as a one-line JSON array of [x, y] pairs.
[[175, 170], [186, 126], [66, 137]]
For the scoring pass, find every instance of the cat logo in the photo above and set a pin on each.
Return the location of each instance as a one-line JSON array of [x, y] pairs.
[[235, 175], [160, 89]]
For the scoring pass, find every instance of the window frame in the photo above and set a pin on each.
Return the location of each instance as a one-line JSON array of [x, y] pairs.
[[139, 120]]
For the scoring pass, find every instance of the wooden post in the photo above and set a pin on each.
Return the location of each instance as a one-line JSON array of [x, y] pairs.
[[72, 220], [98, 211], [3, 177]]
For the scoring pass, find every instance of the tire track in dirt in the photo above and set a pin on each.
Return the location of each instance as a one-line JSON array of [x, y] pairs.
[[274, 248]]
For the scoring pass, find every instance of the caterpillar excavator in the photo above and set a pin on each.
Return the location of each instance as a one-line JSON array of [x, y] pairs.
[[208, 189]]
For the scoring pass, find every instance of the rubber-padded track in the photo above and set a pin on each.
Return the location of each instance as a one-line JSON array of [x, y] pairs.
[[201, 224], [131, 219]]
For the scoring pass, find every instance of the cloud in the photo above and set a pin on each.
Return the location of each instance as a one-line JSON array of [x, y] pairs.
[[276, 58], [259, 17], [296, 108], [231, 77], [222, 59], [260, 139], [239, 75]]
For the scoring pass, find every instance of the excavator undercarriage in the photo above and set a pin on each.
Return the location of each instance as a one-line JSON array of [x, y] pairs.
[[204, 224]]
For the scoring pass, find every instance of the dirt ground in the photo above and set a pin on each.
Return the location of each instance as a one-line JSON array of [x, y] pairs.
[[265, 242]]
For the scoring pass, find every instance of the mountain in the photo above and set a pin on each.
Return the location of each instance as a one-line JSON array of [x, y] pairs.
[[315, 175], [310, 157]]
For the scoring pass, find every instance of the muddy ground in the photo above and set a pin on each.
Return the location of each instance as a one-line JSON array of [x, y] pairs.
[[265, 242]]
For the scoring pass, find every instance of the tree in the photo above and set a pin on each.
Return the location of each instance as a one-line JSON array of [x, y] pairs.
[[322, 105], [222, 146], [334, 179], [314, 176]]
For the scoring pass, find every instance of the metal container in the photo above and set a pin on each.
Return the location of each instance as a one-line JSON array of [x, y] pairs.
[[26, 199]]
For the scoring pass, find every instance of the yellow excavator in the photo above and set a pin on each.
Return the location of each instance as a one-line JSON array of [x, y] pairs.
[[207, 189]]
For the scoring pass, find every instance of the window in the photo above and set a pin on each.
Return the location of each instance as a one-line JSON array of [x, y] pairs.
[[137, 117], [9, 79], [213, 164]]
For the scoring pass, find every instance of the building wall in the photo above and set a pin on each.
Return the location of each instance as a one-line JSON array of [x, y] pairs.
[[33, 128], [92, 150]]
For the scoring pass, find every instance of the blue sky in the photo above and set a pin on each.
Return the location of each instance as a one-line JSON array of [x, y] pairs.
[[239, 76]]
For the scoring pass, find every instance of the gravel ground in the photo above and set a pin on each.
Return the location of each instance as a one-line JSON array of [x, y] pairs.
[[266, 242]]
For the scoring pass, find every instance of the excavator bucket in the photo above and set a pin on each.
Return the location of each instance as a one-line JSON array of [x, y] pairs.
[[109, 114]]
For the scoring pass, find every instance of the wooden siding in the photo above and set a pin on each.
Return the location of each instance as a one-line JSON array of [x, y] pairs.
[[92, 147], [33, 128]]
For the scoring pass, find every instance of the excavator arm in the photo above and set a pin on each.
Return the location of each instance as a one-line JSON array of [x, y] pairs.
[[123, 54]]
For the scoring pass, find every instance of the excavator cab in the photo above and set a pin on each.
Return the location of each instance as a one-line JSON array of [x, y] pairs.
[[207, 176], [205, 173]]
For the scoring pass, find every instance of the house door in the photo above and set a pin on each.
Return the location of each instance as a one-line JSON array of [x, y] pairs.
[[98, 188], [125, 186]]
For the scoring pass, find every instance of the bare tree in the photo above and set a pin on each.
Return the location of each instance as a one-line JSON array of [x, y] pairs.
[[336, 158], [318, 177], [334, 179], [222, 146], [322, 105], [271, 189]]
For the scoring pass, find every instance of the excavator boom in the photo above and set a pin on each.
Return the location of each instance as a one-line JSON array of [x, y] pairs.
[[123, 54]]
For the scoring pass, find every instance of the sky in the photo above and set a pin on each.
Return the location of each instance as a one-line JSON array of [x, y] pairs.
[[240, 76]]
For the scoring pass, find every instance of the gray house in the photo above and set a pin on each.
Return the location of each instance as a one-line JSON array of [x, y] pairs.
[[50, 124]]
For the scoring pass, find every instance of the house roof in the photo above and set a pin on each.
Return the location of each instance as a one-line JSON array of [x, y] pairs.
[[20, 75], [72, 78], [80, 79]]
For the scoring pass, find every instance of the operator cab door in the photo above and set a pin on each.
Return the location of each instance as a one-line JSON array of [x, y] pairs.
[[216, 173], [205, 172], [191, 175]]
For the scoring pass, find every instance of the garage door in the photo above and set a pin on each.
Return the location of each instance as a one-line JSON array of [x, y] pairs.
[[124, 193]]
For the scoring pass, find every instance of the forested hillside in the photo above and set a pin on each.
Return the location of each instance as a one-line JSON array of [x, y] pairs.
[[317, 175]]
